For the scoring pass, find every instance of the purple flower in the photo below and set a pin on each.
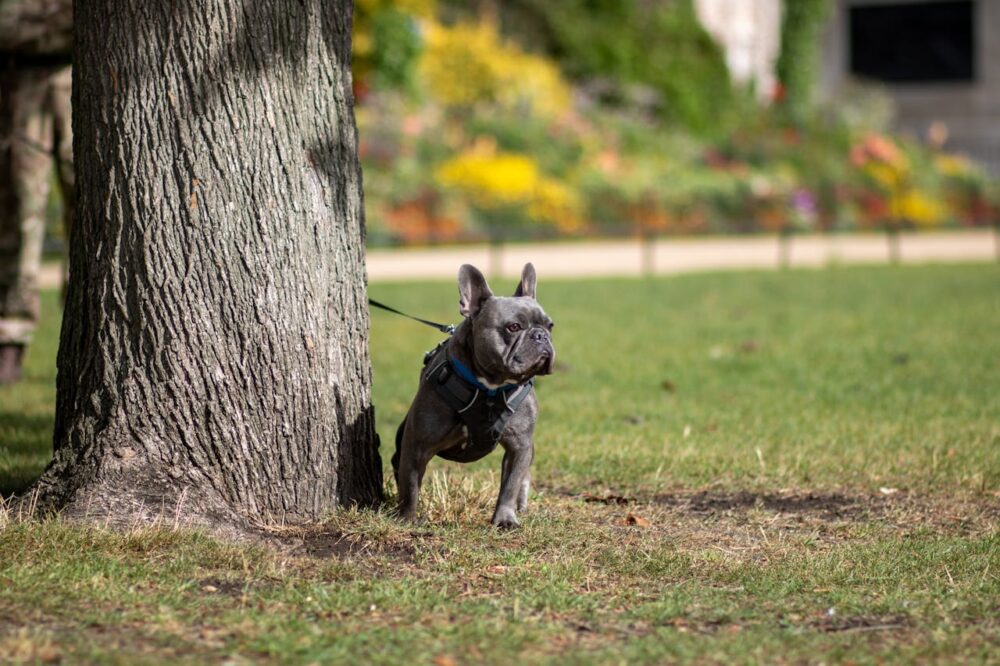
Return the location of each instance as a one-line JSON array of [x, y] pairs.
[[804, 203]]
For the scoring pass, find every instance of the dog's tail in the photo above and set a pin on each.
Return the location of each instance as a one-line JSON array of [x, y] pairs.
[[399, 446]]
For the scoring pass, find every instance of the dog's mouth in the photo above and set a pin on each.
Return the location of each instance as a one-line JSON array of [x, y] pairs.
[[541, 365], [545, 364], [527, 358]]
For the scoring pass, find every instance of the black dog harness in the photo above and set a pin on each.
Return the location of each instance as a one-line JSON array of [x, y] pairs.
[[484, 411]]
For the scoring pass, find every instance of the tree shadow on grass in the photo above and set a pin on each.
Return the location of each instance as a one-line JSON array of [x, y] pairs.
[[25, 450]]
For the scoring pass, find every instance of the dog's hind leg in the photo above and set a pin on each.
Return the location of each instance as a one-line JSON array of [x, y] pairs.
[[412, 465], [399, 445]]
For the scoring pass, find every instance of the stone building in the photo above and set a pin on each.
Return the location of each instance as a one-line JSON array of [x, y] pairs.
[[939, 60]]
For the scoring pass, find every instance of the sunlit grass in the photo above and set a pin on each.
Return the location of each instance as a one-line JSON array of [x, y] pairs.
[[27, 409], [731, 468], [866, 377]]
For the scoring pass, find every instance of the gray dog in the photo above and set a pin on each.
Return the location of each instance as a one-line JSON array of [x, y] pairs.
[[476, 391]]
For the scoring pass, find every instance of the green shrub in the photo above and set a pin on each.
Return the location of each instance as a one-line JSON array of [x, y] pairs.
[[632, 48]]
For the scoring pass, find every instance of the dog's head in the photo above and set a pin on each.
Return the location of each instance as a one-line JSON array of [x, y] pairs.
[[511, 335]]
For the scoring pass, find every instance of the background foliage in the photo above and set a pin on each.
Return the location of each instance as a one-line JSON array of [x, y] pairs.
[[655, 55], [529, 119], [801, 29]]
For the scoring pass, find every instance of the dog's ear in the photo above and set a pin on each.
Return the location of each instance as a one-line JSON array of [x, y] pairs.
[[472, 290], [526, 287]]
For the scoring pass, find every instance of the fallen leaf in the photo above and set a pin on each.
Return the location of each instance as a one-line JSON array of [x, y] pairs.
[[668, 386], [638, 521], [749, 346], [209, 588], [888, 491], [49, 655], [444, 660]]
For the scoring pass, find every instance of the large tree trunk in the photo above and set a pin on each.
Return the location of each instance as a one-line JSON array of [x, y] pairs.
[[213, 365]]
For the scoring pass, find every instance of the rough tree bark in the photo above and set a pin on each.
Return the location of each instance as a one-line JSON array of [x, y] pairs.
[[213, 364]]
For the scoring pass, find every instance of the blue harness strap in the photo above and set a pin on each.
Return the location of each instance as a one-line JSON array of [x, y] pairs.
[[483, 411], [471, 379]]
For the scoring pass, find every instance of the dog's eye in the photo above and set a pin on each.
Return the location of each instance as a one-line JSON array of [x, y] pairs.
[[513, 327], [550, 325]]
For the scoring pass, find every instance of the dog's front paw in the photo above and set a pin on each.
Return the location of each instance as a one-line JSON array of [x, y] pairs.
[[505, 519], [406, 512]]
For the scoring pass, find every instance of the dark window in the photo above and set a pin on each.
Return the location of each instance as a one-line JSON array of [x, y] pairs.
[[913, 41]]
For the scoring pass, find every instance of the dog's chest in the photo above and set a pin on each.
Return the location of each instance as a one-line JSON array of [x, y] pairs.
[[484, 414], [480, 432]]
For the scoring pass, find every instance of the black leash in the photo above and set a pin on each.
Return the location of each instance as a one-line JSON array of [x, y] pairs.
[[444, 328]]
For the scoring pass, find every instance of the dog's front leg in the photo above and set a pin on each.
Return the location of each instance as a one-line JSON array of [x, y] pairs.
[[525, 489], [522, 495], [514, 472]]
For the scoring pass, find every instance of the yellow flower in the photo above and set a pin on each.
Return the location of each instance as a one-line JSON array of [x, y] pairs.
[[362, 43], [887, 175], [921, 209], [555, 203], [468, 64], [953, 165], [423, 8], [493, 181]]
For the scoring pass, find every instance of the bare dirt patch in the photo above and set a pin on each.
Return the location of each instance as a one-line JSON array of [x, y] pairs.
[[326, 544], [826, 506], [761, 524], [809, 509], [861, 624]]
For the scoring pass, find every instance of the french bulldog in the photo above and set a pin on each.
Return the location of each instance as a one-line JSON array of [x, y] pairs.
[[476, 391]]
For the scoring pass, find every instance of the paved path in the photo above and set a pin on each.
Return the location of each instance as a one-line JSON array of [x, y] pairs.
[[628, 257], [685, 255]]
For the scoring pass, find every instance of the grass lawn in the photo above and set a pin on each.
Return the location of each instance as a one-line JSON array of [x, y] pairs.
[[800, 466]]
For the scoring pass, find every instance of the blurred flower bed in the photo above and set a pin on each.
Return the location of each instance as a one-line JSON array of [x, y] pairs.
[[466, 136]]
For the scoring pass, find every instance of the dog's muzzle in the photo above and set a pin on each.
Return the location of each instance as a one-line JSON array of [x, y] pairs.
[[544, 351]]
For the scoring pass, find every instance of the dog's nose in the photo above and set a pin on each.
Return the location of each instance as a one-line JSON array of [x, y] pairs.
[[539, 335]]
